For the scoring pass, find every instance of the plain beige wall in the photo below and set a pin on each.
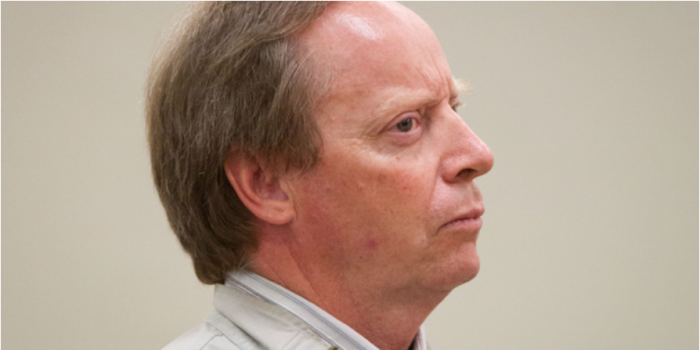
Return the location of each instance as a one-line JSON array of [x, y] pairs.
[[591, 229]]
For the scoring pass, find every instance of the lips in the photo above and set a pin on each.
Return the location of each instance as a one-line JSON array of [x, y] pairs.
[[469, 219]]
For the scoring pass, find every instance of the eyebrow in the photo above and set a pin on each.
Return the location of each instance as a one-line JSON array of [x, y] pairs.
[[459, 87]]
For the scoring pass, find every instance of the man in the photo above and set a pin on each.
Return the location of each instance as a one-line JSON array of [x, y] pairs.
[[312, 163]]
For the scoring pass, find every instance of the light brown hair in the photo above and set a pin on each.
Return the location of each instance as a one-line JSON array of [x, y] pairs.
[[230, 79]]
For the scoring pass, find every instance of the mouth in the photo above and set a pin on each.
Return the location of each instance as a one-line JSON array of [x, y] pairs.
[[470, 219]]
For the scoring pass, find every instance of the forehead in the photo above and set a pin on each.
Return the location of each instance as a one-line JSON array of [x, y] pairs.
[[376, 50]]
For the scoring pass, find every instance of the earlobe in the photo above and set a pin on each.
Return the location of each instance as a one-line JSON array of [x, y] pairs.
[[259, 189]]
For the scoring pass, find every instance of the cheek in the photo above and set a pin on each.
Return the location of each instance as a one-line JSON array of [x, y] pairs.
[[367, 206]]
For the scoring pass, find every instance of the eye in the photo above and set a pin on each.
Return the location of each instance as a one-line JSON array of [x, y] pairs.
[[454, 106], [405, 125]]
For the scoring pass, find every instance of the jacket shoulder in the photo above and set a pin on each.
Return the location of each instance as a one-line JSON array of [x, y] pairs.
[[215, 333]]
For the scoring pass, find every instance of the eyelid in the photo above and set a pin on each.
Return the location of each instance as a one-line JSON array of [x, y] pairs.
[[415, 115]]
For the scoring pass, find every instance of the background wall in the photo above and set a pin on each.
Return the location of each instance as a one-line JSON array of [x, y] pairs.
[[591, 231]]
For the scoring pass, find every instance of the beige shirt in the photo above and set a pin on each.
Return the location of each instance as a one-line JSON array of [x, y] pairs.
[[254, 313]]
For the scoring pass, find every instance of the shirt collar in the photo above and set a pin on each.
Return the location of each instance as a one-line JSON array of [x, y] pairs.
[[322, 323]]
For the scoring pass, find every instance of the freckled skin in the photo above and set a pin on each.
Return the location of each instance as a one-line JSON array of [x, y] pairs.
[[368, 235]]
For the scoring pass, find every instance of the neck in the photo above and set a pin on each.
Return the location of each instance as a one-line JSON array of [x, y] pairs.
[[388, 315]]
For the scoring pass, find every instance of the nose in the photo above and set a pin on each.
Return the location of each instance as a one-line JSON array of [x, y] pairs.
[[466, 157]]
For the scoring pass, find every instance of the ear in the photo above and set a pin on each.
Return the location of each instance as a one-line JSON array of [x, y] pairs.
[[259, 189]]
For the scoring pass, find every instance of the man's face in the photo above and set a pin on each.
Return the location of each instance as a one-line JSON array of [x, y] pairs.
[[392, 201]]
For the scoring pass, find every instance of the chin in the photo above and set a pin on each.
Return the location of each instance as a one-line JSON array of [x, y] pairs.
[[456, 271], [468, 271]]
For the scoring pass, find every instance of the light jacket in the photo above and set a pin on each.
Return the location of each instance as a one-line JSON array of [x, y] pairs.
[[253, 313]]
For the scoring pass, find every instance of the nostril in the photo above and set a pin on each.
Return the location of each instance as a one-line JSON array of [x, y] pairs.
[[466, 173]]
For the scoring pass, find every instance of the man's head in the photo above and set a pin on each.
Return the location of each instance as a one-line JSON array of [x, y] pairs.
[[391, 200]]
